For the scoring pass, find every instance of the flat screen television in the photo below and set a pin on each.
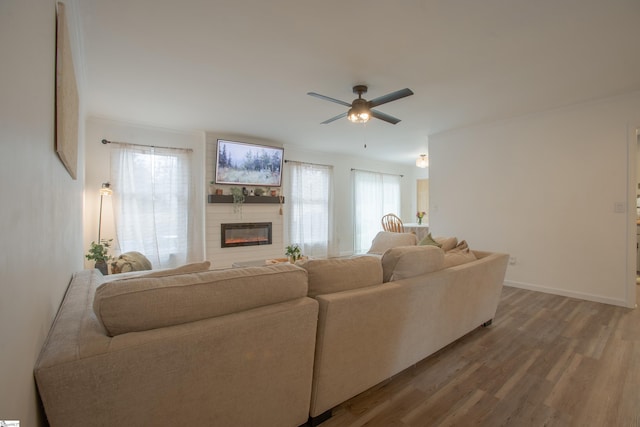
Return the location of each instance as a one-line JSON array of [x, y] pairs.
[[241, 163]]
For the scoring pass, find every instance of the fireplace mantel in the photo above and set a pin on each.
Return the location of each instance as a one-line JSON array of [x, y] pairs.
[[227, 198]]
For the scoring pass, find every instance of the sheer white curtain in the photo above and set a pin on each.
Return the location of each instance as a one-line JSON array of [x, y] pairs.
[[375, 194], [310, 208], [152, 201]]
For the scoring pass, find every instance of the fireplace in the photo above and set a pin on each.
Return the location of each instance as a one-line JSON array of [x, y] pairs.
[[245, 234]]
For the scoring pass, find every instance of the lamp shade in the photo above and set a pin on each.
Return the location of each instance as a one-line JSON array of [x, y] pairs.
[[422, 161], [106, 190]]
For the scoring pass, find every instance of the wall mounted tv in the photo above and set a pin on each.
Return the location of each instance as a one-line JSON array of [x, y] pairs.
[[241, 163]]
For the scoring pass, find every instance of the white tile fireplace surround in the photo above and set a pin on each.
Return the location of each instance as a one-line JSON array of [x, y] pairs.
[[222, 213]]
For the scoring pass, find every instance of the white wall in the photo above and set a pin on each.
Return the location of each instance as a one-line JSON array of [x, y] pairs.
[[543, 188], [41, 209], [98, 171]]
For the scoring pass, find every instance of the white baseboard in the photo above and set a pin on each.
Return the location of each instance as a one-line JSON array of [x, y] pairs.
[[565, 293]]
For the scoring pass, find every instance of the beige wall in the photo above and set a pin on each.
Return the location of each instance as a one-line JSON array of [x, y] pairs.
[[544, 188], [41, 208]]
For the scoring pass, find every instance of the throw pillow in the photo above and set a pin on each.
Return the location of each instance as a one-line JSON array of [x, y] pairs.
[[386, 239], [428, 240], [447, 243], [130, 261], [461, 254], [409, 261]]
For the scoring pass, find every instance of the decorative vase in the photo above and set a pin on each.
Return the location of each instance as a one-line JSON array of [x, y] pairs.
[[102, 266]]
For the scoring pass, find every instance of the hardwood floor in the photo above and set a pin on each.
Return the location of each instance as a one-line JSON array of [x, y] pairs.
[[546, 361]]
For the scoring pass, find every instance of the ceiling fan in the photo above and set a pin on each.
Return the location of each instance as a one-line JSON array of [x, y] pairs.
[[361, 110]]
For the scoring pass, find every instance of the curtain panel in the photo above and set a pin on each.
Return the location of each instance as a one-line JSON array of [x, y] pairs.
[[153, 202], [310, 209], [375, 194]]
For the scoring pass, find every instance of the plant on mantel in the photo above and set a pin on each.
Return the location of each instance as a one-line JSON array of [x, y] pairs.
[[238, 199]]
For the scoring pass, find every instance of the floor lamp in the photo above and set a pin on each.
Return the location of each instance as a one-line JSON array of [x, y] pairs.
[[104, 191]]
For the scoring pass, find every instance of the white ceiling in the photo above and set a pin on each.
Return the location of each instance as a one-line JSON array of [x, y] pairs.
[[243, 67]]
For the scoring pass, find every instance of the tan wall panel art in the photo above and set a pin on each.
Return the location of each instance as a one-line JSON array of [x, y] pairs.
[[66, 98]]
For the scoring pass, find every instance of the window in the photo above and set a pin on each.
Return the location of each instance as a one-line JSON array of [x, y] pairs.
[[310, 209], [152, 202], [375, 194]]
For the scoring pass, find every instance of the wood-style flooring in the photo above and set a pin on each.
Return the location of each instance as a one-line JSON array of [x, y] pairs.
[[547, 360]]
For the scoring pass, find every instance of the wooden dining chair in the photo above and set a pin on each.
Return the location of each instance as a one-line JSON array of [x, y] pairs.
[[391, 222]]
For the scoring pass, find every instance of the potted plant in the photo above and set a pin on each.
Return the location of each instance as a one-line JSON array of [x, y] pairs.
[[98, 252], [293, 253]]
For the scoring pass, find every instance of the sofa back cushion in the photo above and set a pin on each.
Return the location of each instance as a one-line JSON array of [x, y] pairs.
[[143, 303], [327, 276], [386, 240], [404, 262]]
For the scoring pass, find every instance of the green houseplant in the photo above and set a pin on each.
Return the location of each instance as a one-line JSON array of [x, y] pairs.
[[238, 199], [294, 253], [99, 253]]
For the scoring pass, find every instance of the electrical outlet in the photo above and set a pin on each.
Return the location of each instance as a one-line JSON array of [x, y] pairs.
[[513, 260]]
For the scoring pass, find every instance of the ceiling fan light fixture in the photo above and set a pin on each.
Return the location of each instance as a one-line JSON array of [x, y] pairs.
[[422, 161], [359, 113], [358, 117]]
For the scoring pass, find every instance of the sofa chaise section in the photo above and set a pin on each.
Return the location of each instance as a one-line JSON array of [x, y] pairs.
[[247, 363], [369, 334]]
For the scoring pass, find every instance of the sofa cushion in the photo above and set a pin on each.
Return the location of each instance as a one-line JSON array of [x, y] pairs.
[[331, 275], [386, 239], [461, 254], [447, 243], [428, 240], [143, 303], [409, 261]]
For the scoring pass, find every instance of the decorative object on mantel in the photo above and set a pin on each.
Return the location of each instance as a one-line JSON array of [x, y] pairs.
[[420, 215], [212, 188], [422, 161], [238, 198], [293, 253], [99, 253]]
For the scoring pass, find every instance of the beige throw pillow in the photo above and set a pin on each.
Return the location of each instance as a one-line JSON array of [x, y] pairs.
[[447, 243], [461, 254], [409, 261], [386, 239]]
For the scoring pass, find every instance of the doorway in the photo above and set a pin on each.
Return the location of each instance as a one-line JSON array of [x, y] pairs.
[[422, 197]]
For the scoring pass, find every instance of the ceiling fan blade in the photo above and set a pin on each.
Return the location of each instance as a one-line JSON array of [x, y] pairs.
[[339, 116], [390, 97], [326, 98], [382, 116]]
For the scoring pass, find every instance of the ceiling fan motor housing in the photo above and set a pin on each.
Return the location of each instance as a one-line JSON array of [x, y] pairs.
[[359, 89]]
